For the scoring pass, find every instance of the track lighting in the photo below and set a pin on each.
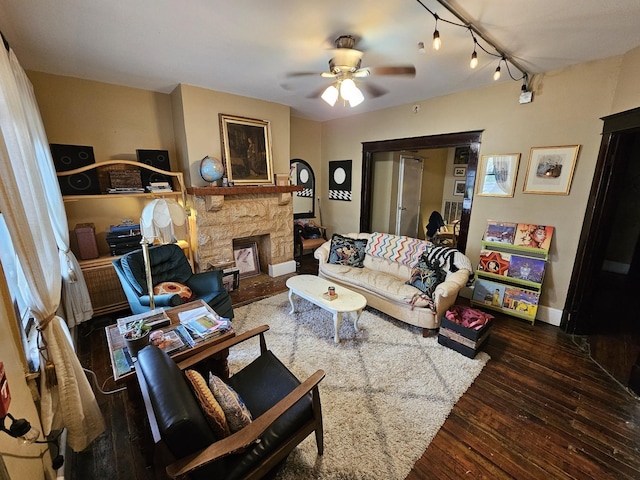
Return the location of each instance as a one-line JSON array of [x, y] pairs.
[[474, 59], [476, 34], [436, 36]]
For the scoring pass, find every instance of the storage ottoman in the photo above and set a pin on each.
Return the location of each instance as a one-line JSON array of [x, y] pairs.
[[463, 339]]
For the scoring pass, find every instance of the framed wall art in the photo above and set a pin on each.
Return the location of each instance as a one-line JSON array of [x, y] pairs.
[[458, 187], [461, 156], [550, 170], [497, 175], [246, 257], [246, 148], [459, 171], [340, 180]]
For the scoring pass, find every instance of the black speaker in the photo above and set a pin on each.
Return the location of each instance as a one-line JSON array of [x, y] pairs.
[[158, 159], [70, 157]]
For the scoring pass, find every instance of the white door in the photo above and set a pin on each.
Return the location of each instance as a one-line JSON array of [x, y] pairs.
[[409, 196]]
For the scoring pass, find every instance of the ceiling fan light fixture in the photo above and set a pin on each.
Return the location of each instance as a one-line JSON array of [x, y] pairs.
[[330, 95], [356, 97]]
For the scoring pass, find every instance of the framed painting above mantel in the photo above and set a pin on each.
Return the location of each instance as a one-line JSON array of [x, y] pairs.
[[246, 149]]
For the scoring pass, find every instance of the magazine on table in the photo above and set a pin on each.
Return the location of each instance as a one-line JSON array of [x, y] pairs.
[[154, 318], [203, 323]]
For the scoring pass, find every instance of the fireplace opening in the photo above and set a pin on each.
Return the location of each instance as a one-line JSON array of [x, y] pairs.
[[252, 254]]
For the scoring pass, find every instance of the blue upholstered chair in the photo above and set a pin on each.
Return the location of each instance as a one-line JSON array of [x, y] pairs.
[[169, 264]]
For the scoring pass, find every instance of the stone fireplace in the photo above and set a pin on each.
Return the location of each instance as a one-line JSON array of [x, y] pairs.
[[225, 214]]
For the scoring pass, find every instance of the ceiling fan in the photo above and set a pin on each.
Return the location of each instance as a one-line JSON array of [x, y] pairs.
[[344, 67]]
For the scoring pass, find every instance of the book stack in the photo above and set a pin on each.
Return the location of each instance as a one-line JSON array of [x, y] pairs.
[[159, 187], [202, 324]]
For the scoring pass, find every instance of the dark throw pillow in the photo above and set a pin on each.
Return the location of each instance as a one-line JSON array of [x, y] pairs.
[[426, 275], [347, 251]]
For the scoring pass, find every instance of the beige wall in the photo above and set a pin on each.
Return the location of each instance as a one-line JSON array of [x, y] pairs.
[[115, 120], [566, 110], [628, 90], [306, 144], [196, 121]]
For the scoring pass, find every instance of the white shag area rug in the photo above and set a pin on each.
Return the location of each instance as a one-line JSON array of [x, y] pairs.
[[386, 393]]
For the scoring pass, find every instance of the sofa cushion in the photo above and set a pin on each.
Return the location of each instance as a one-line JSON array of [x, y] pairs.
[[210, 406], [397, 248], [236, 412], [174, 287], [426, 276], [347, 251]]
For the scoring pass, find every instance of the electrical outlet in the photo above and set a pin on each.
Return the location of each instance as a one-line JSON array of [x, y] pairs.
[[5, 395]]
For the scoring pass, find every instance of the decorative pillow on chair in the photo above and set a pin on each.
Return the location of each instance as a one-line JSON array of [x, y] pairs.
[[236, 412], [425, 276], [347, 251], [174, 287], [211, 408]]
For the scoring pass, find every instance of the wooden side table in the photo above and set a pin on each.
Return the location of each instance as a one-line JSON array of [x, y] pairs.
[[116, 344]]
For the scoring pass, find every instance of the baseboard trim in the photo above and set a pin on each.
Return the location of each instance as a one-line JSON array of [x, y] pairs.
[[283, 268]]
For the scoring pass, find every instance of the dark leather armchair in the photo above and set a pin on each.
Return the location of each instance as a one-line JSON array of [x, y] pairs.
[[169, 264], [285, 411]]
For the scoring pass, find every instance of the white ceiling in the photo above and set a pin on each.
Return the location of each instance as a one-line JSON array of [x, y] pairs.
[[246, 47]]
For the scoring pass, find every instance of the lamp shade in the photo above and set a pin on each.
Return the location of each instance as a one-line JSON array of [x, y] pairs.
[[165, 220]]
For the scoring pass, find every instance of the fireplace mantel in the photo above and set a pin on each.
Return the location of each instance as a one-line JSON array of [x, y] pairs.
[[253, 189]]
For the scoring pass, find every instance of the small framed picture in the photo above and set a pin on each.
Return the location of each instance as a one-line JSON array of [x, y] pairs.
[[550, 170], [497, 175], [246, 257], [459, 171], [461, 156], [458, 187]]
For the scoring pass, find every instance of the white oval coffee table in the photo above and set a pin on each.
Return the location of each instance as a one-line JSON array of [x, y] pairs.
[[312, 288]]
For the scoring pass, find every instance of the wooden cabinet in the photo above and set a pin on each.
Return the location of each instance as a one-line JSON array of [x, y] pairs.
[[104, 210], [511, 268]]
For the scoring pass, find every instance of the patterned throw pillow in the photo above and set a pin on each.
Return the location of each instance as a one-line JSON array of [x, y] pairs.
[[426, 276], [347, 251], [235, 411], [174, 287], [211, 408]]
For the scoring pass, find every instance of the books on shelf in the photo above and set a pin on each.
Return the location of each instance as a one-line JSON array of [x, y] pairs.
[[519, 234], [154, 318]]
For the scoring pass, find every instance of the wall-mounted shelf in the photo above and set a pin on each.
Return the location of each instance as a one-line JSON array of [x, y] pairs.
[[511, 268], [106, 209]]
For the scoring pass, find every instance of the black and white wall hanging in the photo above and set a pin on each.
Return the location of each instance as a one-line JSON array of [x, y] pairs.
[[304, 179], [340, 180]]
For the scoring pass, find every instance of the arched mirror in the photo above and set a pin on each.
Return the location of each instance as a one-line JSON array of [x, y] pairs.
[[303, 201]]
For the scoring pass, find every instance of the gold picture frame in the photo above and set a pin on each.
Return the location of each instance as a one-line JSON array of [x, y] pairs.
[[497, 175], [550, 170], [246, 149]]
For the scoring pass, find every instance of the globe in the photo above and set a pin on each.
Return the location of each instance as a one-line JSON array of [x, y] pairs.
[[211, 169]]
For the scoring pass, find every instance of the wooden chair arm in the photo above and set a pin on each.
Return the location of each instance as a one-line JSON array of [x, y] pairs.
[[249, 434], [219, 347]]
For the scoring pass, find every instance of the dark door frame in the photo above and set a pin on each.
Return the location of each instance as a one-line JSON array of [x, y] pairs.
[[447, 140], [589, 256]]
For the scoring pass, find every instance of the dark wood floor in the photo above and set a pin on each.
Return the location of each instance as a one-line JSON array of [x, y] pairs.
[[540, 409]]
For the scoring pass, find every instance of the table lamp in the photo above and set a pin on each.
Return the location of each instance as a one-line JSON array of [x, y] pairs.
[[165, 221]]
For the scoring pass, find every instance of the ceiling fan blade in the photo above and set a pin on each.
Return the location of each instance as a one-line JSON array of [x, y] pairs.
[[373, 90], [317, 92], [408, 70], [304, 74]]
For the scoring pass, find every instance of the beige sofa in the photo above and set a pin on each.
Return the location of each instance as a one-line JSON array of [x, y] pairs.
[[388, 264]]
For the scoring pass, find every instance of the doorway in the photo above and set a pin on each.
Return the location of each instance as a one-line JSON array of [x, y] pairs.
[[409, 193], [605, 274], [449, 140]]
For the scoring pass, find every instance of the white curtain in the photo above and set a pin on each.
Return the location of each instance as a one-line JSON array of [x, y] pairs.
[[66, 396], [76, 301], [502, 174]]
